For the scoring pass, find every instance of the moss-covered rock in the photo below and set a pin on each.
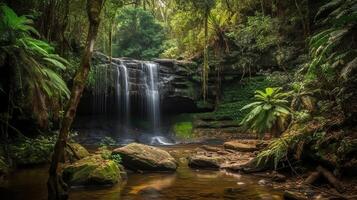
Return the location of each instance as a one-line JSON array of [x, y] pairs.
[[92, 170], [146, 158], [75, 151]]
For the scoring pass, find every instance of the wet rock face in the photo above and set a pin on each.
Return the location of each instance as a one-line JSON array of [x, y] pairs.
[[140, 157], [177, 88]]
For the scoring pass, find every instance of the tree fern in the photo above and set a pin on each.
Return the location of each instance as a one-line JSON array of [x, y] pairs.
[[34, 60]]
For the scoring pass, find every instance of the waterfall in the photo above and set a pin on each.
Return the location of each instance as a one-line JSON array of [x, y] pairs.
[[100, 89], [152, 94], [125, 82], [122, 92]]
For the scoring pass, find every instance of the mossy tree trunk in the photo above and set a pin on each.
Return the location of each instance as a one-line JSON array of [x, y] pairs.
[[57, 189]]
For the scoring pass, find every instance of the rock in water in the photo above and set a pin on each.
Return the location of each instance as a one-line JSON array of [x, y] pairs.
[[140, 157], [204, 161], [92, 170], [239, 146]]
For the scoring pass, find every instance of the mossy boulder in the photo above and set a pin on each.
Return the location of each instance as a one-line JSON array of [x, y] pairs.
[[75, 151], [140, 157], [92, 170]]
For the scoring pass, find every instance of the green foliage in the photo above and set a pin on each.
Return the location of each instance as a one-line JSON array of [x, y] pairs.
[[332, 55], [116, 158], [302, 116], [279, 149], [139, 35], [34, 64], [183, 130], [107, 141], [107, 154], [104, 152], [33, 151], [258, 33], [238, 94], [256, 36], [268, 113]]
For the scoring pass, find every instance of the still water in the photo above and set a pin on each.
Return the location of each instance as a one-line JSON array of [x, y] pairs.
[[185, 184]]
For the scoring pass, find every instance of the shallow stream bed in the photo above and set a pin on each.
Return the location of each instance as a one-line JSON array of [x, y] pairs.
[[185, 184]]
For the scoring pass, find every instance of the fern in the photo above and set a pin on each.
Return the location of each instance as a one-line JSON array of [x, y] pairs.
[[326, 53], [278, 150], [37, 66]]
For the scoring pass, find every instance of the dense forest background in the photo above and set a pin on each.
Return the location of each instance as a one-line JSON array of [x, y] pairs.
[[306, 48]]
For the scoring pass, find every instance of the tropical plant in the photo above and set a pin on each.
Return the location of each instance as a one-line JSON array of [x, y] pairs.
[[32, 63], [268, 113]]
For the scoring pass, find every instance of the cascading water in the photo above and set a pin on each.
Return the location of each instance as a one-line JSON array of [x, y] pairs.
[[127, 93], [100, 89], [152, 95], [122, 92]]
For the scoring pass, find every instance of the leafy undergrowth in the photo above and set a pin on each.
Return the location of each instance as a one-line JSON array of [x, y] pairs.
[[240, 93], [32, 151]]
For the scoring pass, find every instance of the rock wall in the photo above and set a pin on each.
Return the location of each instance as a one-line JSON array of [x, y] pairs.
[[178, 86]]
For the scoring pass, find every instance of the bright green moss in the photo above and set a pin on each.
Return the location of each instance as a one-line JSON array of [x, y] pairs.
[[183, 130]]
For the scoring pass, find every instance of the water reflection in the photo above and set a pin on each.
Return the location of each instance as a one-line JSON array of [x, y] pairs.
[[185, 184], [155, 184]]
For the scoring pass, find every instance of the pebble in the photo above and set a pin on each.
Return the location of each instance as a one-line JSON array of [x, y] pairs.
[[262, 182]]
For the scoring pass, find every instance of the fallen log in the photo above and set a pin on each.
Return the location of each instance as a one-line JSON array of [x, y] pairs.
[[331, 179]]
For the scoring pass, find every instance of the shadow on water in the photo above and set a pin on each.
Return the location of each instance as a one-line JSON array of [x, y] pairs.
[[185, 184]]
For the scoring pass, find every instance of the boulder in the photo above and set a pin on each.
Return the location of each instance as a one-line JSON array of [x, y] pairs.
[[75, 151], [92, 170], [205, 161], [239, 146], [140, 157]]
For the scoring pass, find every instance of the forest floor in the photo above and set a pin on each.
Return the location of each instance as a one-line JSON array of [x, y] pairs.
[[291, 179]]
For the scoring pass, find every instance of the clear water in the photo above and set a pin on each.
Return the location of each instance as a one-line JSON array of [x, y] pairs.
[[185, 184]]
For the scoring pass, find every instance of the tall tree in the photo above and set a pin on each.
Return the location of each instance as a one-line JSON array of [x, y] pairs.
[[57, 189], [203, 8]]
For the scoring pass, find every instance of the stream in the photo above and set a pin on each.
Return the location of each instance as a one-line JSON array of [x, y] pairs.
[[185, 184]]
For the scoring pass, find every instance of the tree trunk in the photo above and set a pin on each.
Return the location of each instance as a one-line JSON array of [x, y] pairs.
[[205, 59], [110, 40], [57, 189]]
